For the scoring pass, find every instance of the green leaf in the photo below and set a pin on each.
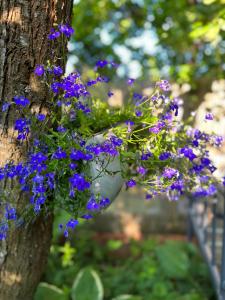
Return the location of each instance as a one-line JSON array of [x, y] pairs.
[[87, 286], [173, 260], [127, 297], [47, 291]]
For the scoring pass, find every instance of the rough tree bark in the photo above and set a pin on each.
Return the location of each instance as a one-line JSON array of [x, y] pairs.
[[24, 25]]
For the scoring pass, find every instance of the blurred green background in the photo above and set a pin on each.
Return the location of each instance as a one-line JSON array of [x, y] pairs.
[[178, 40]]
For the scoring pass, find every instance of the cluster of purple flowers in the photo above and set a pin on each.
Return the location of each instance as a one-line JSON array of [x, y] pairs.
[[62, 29], [147, 146]]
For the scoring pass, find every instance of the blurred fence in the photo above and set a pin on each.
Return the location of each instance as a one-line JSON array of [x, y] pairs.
[[206, 220]]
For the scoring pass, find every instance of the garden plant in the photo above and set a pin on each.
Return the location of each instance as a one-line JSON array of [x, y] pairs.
[[80, 151]]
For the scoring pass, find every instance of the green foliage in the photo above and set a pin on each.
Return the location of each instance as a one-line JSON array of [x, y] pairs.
[[127, 297], [87, 285], [172, 270], [47, 291], [188, 35], [173, 261]]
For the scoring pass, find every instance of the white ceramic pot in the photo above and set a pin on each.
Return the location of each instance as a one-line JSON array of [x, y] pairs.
[[107, 185]]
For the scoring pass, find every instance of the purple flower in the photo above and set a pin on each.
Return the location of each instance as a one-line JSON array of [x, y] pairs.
[[164, 155], [10, 213], [141, 170], [53, 35], [148, 196], [129, 124], [110, 94], [103, 79], [23, 127], [130, 183], [72, 223], [138, 113], [92, 205], [39, 70], [209, 116], [58, 71], [55, 86], [77, 155], [116, 141], [87, 217], [164, 85], [59, 154], [38, 178], [223, 180], [41, 117], [146, 156], [5, 106], [101, 63], [91, 82], [21, 101], [67, 30], [157, 128], [104, 202], [78, 182], [130, 81], [62, 129], [170, 173], [72, 166], [178, 185], [188, 152]]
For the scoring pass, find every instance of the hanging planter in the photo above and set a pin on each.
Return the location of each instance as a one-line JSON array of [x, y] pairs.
[[105, 173], [73, 167]]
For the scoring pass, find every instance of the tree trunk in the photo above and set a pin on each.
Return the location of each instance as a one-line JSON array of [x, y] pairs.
[[24, 26]]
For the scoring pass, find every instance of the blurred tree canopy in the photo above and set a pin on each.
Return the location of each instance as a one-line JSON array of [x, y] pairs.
[[181, 39]]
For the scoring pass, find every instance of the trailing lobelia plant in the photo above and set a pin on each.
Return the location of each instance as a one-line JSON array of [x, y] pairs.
[[81, 150]]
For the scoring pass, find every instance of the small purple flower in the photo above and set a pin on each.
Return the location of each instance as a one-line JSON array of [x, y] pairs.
[[209, 116], [55, 86], [41, 117], [146, 156], [61, 129], [87, 217], [141, 170], [73, 166], [148, 196], [104, 202], [129, 125], [58, 71], [10, 213], [21, 101], [53, 35], [92, 205], [67, 30], [170, 173], [164, 85], [78, 182], [101, 63], [59, 154], [131, 183], [130, 81], [77, 155], [5, 106], [110, 94], [72, 223], [164, 155], [188, 152], [157, 128], [223, 180], [91, 82], [39, 70], [138, 113]]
